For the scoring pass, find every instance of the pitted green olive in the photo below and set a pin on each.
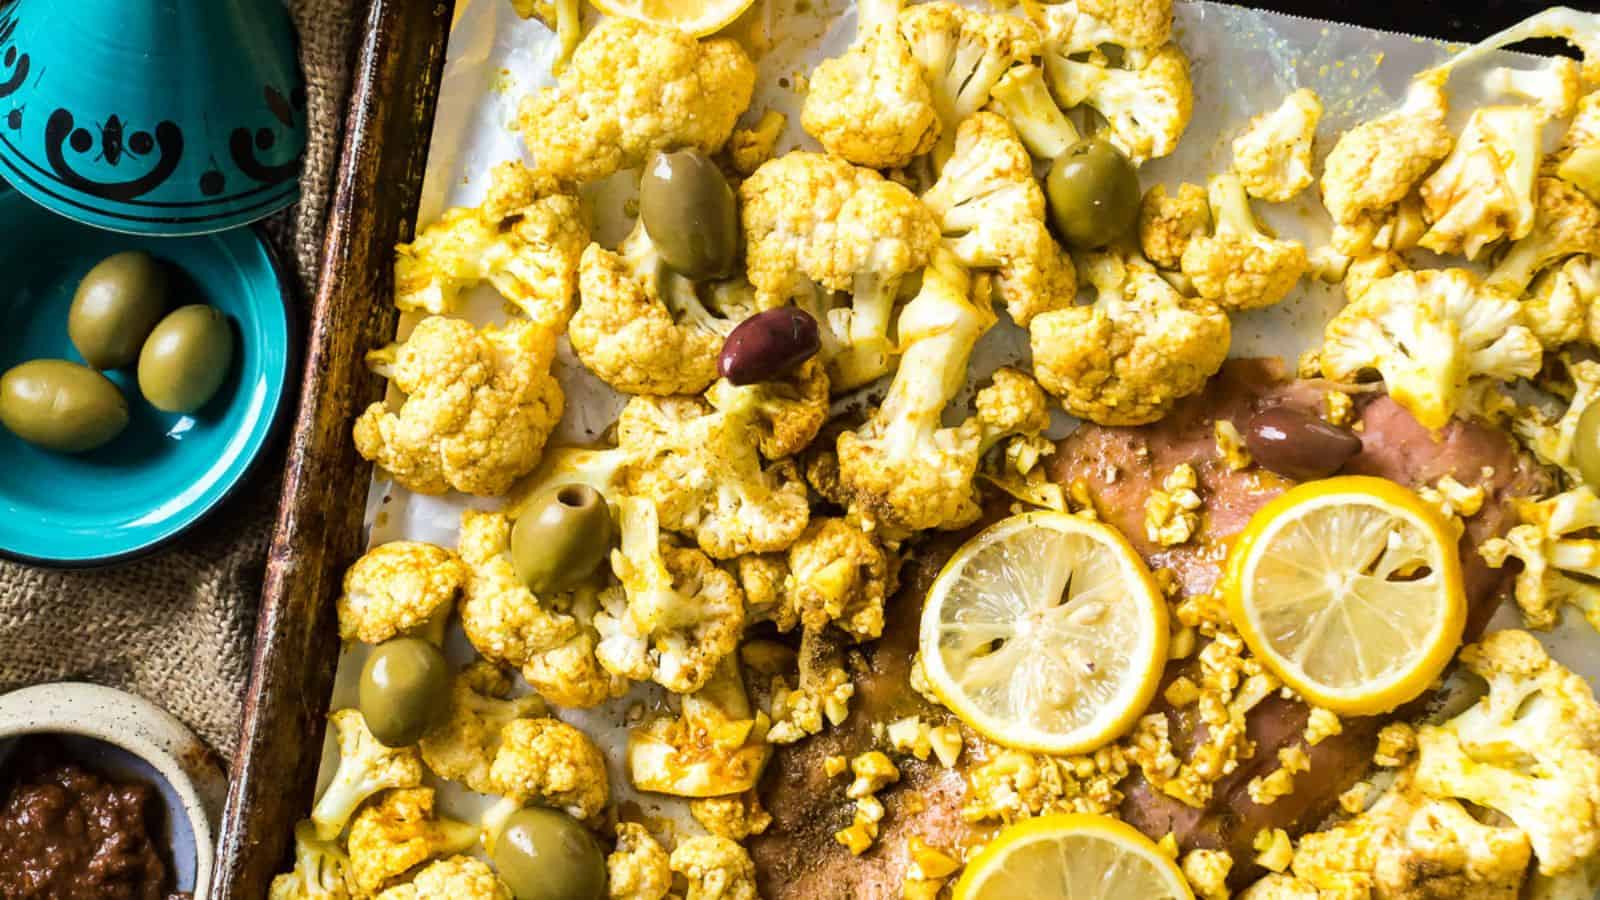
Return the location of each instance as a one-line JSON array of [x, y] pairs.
[[117, 305], [60, 405], [404, 690], [545, 854], [561, 539], [690, 214], [1586, 445], [1094, 194], [186, 358]]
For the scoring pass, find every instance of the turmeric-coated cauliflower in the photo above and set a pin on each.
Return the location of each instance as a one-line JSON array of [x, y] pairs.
[[463, 746], [1022, 98], [1563, 303], [1238, 265], [1273, 155], [1560, 557], [1566, 223], [785, 412], [366, 767], [1085, 26], [1530, 750], [1133, 353], [455, 878], [321, 869], [524, 239], [479, 406], [840, 575], [638, 869], [716, 746], [1555, 443], [633, 88], [716, 869], [397, 588], [547, 762], [1483, 192], [398, 833], [1427, 333], [1167, 223], [1374, 165], [551, 639], [872, 105], [1147, 102]]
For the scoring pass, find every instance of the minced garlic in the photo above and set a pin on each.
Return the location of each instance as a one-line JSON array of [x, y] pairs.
[[1171, 513]]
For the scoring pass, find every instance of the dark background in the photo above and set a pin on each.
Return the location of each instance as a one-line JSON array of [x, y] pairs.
[[1462, 20]]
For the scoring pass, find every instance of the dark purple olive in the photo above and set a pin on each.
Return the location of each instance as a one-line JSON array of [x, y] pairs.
[[1299, 445], [769, 345]]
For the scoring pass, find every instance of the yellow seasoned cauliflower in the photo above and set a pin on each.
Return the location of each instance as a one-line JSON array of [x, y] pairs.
[[963, 52], [398, 588], [524, 239], [676, 615], [631, 89], [1374, 165], [816, 226], [1483, 192], [1146, 104], [1566, 223], [786, 412], [638, 869], [479, 406], [872, 105], [840, 575], [735, 816], [321, 869], [455, 878], [1022, 98], [992, 214], [1278, 886], [1578, 158], [365, 768], [398, 833], [1084, 26], [1555, 443], [749, 148], [551, 639], [1273, 155], [1553, 86], [546, 762], [716, 869], [715, 747], [1238, 265], [1560, 558], [1167, 223], [642, 328], [1563, 303], [462, 748], [1138, 349], [1207, 872], [1427, 333], [1529, 750]]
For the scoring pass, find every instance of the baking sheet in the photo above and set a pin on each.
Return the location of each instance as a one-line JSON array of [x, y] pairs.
[[1243, 63]]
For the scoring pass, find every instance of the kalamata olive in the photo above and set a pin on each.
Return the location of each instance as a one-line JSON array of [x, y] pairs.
[[1094, 193], [561, 539], [769, 345], [186, 358], [1297, 444], [690, 214], [545, 854], [1586, 445], [117, 305], [404, 690], [60, 405]]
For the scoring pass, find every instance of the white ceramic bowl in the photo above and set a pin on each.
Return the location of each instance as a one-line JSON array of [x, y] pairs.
[[129, 737]]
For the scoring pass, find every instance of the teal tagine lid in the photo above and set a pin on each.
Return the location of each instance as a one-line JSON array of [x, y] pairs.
[[157, 117]]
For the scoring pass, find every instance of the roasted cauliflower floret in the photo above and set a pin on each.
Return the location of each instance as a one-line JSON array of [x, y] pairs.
[[785, 412], [1084, 26], [716, 869], [1578, 159], [1138, 349], [991, 211], [1566, 223], [1563, 303], [1147, 108], [456, 878], [1553, 86], [399, 588], [1237, 265], [321, 869], [963, 52], [525, 240], [462, 748], [638, 869], [551, 639], [365, 768], [1167, 223], [872, 105], [642, 328], [1273, 155], [398, 833], [1555, 443], [1529, 750], [716, 746], [1484, 190], [631, 89], [1374, 165], [546, 762], [1023, 98], [479, 406], [1427, 333], [749, 148], [677, 615], [816, 225], [1560, 560], [840, 576]]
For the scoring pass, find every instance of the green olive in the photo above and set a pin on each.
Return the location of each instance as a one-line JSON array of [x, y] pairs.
[[545, 854], [690, 214], [404, 691], [186, 358], [1094, 194], [117, 305], [560, 540], [1586, 445], [60, 405]]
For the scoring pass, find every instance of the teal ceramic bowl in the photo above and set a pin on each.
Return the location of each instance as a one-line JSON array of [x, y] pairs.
[[164, 472], [167, 117]]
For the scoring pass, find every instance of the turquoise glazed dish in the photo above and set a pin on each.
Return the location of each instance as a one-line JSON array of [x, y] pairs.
[[167, 117], [165, 471]]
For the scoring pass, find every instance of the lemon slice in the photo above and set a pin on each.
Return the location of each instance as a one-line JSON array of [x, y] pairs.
[[1045, 632], [696, 17], [1076, 856], [1349, 589]]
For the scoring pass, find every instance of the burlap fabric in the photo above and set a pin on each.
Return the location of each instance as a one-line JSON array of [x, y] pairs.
[[177, 627]]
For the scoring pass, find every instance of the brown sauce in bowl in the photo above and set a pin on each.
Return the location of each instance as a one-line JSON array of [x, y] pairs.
[[69, 833]]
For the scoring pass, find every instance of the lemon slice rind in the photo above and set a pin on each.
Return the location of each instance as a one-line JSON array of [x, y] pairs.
[[1072, 855]]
